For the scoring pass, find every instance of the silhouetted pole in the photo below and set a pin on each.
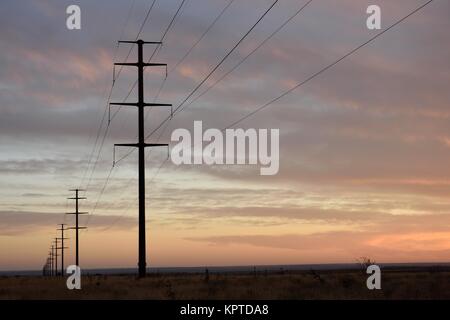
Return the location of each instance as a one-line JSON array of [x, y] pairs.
[[62, 247], [52, 255], [49, 263], [77, 227], [45, 268], [141, 145], [48, 266], [56, 255]]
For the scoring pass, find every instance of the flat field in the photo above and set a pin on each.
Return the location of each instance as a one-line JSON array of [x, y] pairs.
[[396, 284]]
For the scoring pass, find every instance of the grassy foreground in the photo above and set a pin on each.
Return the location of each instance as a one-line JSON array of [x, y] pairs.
[[292, 285]]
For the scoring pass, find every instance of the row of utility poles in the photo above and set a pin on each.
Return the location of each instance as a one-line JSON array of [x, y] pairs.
[[51, 266], [57, 246]]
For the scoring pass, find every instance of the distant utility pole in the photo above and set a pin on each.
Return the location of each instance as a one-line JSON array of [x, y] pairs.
[[62, 247], [77, 227], [55, 246], [50, 265], [47, 266], [52, 259], [141, 145], [45, 269]]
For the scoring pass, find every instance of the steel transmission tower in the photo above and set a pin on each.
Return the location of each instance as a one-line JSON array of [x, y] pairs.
[[141, 145]]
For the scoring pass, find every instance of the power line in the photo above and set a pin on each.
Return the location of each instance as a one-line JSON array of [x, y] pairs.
[[213, 70], [102, 190], [129, 206], [127, 19], [249, 54], [170, 24], [225, 57], [192, 47], [202, 36], [109, 96], [328, 66]]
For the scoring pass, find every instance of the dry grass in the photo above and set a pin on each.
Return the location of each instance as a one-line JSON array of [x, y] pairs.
[[294, 285]]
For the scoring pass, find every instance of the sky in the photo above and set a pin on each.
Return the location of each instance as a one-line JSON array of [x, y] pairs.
[[364, 147]]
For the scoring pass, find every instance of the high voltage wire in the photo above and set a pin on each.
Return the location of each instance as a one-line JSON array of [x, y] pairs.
[[248, 55], [328, 66], [100, 195], [226, 56], [128, 18], [202, 36], [193, 46], [213, 70], [109, 96]]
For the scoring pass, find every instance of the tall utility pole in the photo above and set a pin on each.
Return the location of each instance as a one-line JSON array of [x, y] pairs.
[[77, 227], [62, 247], [141, 145]]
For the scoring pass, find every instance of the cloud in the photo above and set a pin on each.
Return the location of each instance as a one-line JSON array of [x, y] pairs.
[[41, 166], [13, 223], [349, 246]]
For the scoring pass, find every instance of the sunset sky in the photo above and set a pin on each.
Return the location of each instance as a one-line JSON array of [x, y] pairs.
[[364, 147]]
